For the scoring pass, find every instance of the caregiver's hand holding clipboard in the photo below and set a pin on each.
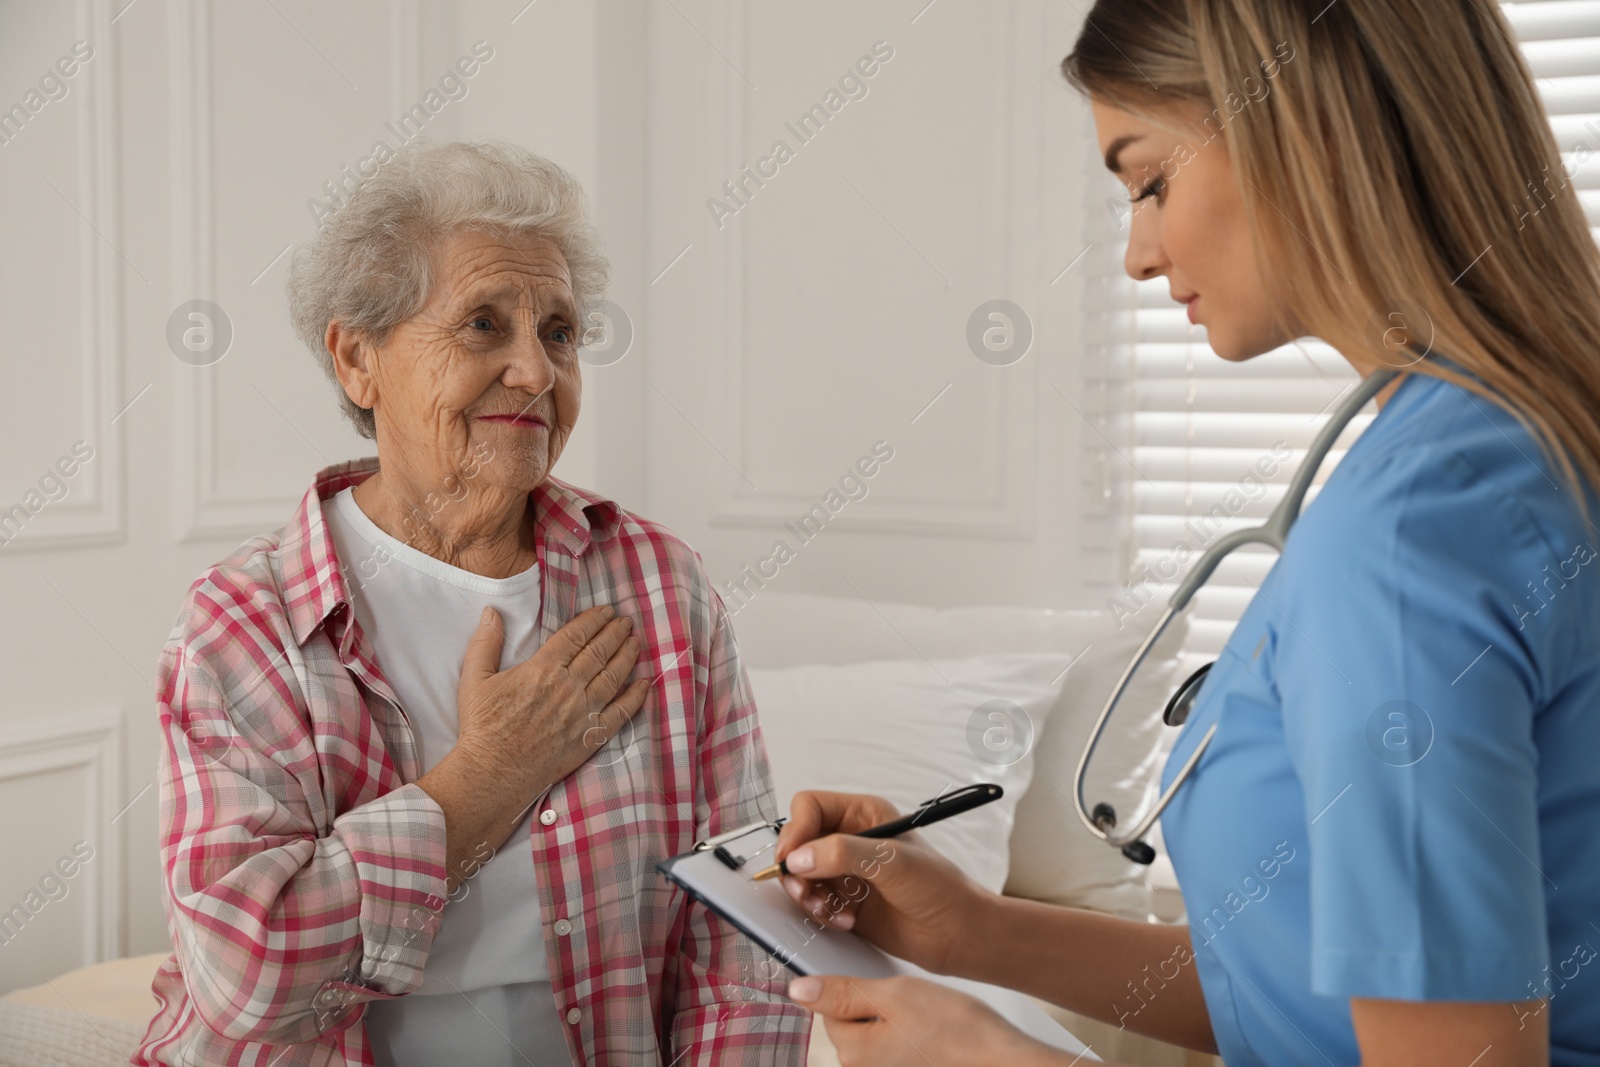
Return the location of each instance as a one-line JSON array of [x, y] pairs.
[[922, 908]]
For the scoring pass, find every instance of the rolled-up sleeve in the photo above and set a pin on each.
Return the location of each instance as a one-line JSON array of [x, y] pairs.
[[731, 1007], [284, 916]]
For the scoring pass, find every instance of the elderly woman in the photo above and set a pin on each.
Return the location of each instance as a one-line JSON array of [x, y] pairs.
[[424, 746]]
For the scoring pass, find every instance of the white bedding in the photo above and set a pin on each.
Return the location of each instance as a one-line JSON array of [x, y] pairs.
[[32, 1035]]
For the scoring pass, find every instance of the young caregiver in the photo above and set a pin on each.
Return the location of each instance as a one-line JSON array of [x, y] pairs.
[[1405, 726]]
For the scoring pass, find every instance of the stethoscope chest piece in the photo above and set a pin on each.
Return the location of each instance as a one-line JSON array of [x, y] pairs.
[[1178, 708], [1105, 817]]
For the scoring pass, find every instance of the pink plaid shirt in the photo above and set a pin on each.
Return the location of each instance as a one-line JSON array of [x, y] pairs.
[[305, 875]]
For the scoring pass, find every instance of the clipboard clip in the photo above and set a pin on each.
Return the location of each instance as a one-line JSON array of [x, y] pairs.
[[733, 835], [719, 843]]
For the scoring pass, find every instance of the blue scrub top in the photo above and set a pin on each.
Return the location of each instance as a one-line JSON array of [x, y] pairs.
[[1402, 799]]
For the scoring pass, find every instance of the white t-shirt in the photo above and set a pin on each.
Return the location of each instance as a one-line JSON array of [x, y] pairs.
[[485, 995]]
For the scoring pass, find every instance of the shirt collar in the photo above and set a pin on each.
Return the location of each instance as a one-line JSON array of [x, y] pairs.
[[565, 517]]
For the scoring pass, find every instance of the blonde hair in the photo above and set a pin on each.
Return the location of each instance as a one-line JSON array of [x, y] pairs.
[[1401, 157]]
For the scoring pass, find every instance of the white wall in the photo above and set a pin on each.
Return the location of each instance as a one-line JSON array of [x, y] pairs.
[[821, 317], [831, 309]]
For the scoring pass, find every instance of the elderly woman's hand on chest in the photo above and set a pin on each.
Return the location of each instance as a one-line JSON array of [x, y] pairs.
[[529, 726]]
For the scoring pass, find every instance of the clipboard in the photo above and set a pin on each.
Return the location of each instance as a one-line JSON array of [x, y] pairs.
[[717, 874]]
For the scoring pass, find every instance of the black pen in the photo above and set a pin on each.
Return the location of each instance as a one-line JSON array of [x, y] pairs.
[[930, 812]]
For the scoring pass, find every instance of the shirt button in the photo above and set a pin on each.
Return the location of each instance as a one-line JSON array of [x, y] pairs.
[[563, 927], [574, 1016], [548, 816]]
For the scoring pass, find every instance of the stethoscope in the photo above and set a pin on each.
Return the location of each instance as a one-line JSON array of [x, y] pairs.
[[1102, 821]]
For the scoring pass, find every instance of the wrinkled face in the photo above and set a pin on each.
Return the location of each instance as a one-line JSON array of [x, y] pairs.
[[483, 382], [1189, 225]]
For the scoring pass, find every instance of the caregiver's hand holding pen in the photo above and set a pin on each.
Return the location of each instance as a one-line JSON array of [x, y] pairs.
[[913, 903]]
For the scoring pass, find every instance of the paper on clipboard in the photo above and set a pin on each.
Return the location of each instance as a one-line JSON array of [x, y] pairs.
[[763, 912]]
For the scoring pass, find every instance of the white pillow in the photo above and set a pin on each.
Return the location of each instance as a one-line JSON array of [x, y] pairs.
[[1055, 858], [910, 730]]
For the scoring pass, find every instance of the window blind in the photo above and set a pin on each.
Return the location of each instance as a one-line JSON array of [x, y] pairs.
[[1561, 41], [1214, 444]]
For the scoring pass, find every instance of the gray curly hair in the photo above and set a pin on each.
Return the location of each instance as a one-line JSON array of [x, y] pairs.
[[370, 266]]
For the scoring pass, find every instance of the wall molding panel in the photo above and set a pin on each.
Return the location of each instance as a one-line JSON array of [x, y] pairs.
[[94, 510], [204, 510], [1008, 509], [93, 745]]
